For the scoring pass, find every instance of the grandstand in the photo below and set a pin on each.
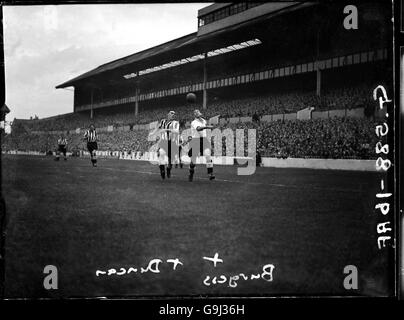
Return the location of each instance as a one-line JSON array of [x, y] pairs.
[[241, 68]]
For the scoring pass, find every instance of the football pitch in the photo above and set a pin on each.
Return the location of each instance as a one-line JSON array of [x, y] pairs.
[[121, 217]]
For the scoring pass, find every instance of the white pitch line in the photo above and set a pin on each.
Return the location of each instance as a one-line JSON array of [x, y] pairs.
[[200, 178], [238, 181], [227, 180]]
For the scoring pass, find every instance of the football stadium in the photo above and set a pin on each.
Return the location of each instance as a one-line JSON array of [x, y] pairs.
[[293, 72]]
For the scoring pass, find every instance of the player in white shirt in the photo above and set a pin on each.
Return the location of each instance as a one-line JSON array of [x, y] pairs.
[[178, 160], [200, 145], [168, 145]]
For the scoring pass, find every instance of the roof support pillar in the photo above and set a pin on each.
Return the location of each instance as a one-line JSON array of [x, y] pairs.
[[318, 82], [137, 95], [318, 73], [205, 77], [137, 102], [92, 101]]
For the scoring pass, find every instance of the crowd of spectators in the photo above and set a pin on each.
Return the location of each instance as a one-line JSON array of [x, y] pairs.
[[131, 141], [29, 142], [336, 138], [342, 98], [259, 105], [316, 138]]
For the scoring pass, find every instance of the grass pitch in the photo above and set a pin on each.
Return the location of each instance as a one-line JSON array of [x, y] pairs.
[[309, 224]]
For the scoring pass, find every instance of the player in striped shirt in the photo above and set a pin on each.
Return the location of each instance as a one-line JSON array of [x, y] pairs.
[[168, 145], [91, 137], [62, 147]]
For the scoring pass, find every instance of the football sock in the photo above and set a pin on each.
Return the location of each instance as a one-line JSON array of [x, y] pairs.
[[169, 171], [162, 171], [210, 173], [191, 171]]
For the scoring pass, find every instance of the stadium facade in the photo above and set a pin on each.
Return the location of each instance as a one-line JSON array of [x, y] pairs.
[[243, 49]]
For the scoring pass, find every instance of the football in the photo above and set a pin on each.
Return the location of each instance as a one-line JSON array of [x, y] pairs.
[[191, 97]]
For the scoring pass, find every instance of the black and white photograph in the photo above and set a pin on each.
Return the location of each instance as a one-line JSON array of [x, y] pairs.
[[205, 149]]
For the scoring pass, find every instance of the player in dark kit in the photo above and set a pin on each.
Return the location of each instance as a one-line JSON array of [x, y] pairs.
[[62, 148], [168, 145], [91, 137]]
